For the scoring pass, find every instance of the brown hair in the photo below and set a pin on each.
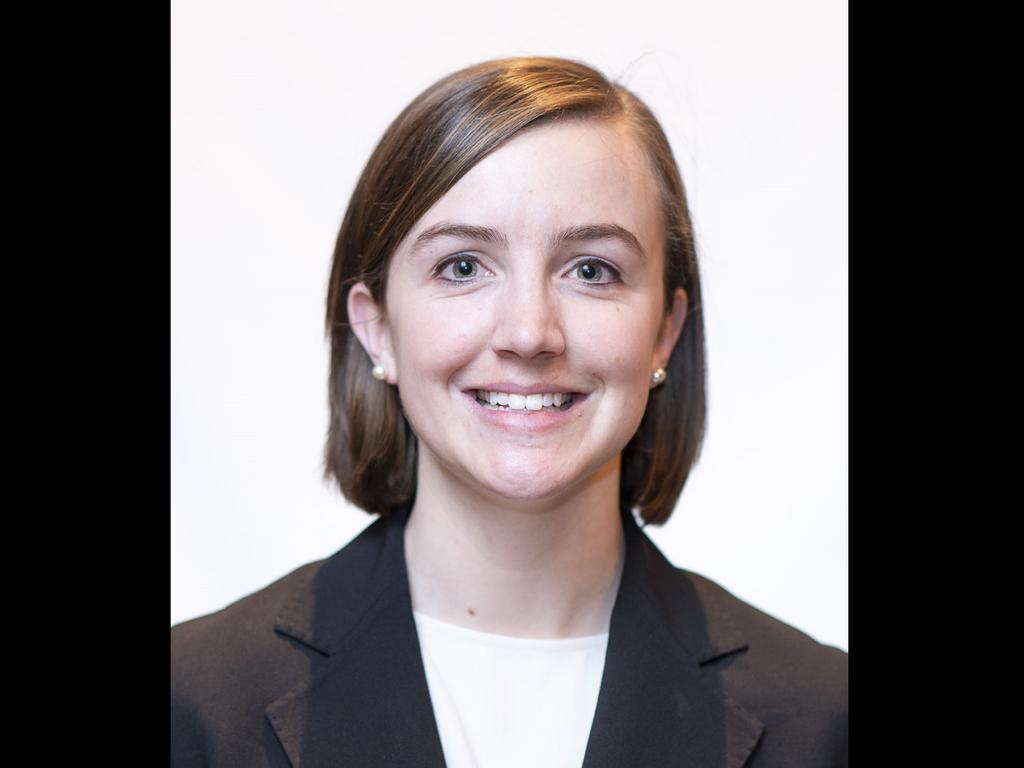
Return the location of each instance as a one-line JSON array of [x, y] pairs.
[[442, 134]]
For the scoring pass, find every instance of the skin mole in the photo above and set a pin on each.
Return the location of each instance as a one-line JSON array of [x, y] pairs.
[[471, 612]]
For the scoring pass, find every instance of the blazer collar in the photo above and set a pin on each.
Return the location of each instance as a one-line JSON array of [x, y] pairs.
[[366, 701]]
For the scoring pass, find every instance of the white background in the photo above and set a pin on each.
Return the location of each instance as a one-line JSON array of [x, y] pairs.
[[275, 109]]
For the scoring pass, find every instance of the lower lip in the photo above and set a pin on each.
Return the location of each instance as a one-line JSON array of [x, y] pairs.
[[527, 421]]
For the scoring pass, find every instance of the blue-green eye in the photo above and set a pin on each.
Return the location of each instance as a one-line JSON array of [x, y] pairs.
[[596, 272], [463, 269]]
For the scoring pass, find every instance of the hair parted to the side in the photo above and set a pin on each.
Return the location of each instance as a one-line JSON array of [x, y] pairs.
[[441, 135]]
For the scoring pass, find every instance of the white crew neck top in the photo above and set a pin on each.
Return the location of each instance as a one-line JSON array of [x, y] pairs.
[[508, 702]]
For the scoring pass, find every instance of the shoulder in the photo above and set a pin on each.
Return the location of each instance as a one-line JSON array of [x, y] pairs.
[[252, 612], [240, 629], [797, 686], [771, 642], [227, 666]]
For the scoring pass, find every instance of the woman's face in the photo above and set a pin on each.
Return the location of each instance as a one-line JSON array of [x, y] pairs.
[[539, 273]]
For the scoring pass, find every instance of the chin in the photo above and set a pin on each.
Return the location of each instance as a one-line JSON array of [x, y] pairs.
[[536, 490], [540, 486]]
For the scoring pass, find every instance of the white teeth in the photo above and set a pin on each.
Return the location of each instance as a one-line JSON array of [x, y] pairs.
[[531, 402]]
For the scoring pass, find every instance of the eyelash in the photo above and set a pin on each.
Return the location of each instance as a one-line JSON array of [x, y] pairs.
[[615, 276]]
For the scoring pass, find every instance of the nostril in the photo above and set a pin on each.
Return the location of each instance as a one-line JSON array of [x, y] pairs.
[[528, 324], [530, 341]]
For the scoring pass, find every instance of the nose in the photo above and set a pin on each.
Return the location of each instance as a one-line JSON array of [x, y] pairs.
[[527, 321]]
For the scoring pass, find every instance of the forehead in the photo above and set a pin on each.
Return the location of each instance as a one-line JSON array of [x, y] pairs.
[[571, 173]]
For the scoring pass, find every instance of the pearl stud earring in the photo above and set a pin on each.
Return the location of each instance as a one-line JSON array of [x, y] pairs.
[[379, 373], [658, 376]]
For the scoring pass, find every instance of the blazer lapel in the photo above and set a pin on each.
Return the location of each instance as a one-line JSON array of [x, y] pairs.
[[366, 703], [366, 700], [657, 706]]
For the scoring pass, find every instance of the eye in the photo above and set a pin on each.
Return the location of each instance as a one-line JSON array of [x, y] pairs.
[[462, 268], [596, 272]]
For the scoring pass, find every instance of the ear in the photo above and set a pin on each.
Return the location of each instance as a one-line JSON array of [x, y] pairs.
[[371, 328], [671, 327]]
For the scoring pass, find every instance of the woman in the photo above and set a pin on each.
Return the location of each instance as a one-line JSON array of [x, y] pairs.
[[517, 379]]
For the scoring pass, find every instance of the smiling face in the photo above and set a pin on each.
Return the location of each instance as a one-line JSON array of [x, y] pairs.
[[539, 272]]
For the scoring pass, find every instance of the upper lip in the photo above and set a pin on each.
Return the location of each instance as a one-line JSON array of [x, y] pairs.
[[523, 389]]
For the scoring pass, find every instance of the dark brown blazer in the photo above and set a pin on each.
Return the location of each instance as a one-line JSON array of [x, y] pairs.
[[323, 668]]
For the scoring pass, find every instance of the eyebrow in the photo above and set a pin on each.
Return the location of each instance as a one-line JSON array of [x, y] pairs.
[[579, 234], [590, 232], [463, 231]]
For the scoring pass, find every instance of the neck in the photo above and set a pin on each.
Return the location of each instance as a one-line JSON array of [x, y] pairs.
[[545, 570]]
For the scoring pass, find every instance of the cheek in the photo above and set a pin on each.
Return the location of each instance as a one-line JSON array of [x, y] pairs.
[[432, 344], [618, 344]]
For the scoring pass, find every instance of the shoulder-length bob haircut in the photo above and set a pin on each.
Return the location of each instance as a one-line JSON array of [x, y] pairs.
[[446, 130]]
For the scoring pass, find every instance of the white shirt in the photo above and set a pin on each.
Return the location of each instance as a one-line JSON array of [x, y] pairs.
[[509, 702]]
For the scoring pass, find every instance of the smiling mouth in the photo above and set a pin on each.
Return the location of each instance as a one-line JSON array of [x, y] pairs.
[[525, 404]]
